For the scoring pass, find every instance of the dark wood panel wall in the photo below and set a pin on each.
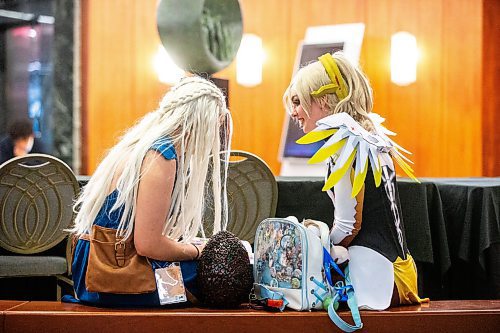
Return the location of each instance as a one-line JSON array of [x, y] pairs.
[[491, 86], [440, 118]]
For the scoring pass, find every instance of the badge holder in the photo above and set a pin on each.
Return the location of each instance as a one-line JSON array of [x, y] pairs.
[[170, 284]]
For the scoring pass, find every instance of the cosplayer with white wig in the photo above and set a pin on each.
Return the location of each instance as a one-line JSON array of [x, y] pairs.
[[331, 100], [155, 183]]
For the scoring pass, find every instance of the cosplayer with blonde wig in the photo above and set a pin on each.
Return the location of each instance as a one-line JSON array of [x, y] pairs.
[[358, 102], [155, 184], [331, 100]]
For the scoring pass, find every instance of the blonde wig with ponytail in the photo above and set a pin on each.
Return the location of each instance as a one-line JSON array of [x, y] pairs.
[[358, 103], [194, 118]]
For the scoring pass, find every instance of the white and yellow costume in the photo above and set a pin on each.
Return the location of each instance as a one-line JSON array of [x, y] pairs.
[[367, 217]]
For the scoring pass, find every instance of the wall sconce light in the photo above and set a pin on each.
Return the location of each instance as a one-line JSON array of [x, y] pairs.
[[404, 57], [249, 61], [168, 72]]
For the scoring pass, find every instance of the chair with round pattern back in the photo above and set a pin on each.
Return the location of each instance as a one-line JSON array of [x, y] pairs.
[[36, 206], [252, 194]]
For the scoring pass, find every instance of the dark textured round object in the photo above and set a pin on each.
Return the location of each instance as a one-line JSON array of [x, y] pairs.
[[224, 272]]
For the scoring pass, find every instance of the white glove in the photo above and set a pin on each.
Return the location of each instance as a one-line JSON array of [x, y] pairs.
[[339, 254]]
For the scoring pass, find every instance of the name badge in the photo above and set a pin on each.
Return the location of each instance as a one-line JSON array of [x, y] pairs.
[[170, 284]]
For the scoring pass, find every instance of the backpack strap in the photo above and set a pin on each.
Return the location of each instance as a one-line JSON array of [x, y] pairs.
[[344, 292], [328, 263], [353, 306], [261, 292], [324, 231]]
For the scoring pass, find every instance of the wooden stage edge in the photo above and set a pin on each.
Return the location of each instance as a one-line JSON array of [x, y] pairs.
[[437, 316]]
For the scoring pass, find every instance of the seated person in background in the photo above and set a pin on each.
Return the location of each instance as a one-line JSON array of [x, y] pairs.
[[152, 186], [331, 99], [20, 140]]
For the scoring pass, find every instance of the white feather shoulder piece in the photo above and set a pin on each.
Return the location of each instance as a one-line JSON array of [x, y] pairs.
[[350, 144]]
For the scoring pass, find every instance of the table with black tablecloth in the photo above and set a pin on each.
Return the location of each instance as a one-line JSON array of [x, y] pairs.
[[452, 228]]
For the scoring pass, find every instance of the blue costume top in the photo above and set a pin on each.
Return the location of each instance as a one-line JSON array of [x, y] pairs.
[[108, 219]]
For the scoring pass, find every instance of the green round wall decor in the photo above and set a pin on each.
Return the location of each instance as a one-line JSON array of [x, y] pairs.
[[201, 36]]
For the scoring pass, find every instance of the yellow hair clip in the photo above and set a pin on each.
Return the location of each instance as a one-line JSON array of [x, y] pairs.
[[338, 85]]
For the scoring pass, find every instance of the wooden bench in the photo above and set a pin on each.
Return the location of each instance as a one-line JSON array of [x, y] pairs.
[[438, 316]]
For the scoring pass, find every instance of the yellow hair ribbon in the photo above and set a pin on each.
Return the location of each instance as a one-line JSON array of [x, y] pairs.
[[338, 85]]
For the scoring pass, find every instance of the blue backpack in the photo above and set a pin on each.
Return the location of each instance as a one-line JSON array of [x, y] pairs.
[[292, 269]]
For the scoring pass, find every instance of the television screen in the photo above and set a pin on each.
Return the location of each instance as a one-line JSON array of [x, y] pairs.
[[308, 53]]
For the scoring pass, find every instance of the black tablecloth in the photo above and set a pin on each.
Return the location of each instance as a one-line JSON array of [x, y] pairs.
[[452, 229]]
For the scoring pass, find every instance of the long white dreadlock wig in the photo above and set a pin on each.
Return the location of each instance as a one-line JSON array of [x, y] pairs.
[[193, 115]]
